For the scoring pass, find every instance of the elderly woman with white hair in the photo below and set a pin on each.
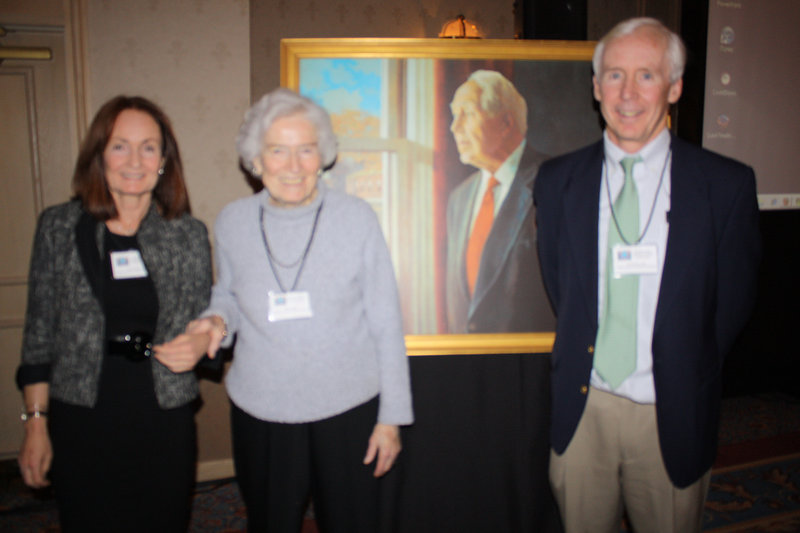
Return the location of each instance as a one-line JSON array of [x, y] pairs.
[[319, 382]]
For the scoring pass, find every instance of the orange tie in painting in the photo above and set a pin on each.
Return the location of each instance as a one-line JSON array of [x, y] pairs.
[[480, 232]]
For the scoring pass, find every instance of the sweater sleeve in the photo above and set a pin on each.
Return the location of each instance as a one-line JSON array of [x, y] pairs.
[[223, 301], [382, 306]]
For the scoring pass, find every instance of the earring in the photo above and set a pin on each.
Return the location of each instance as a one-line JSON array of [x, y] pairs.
[[161, 171]]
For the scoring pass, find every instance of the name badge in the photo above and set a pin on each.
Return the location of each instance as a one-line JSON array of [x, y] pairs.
[[127, 265], [289, 306], [635, 259]]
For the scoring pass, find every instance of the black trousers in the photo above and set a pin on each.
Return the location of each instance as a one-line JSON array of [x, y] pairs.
[[278, 466], [125, 465]]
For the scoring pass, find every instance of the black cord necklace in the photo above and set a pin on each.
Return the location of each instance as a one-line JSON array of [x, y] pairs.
[[273, 260], [652, 207]]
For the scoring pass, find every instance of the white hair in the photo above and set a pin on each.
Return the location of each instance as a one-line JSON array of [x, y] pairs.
[[675, 51], [498, 95], [280, 103]]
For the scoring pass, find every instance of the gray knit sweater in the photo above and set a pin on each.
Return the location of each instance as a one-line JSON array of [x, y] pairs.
[[350, 350]]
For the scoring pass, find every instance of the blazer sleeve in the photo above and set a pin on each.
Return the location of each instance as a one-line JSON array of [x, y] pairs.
[[547, 203], [41, 313], [203, 276], [739, 256], [202, 281]]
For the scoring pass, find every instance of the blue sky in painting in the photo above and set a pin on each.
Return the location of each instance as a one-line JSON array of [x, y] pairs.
[[342, 84]]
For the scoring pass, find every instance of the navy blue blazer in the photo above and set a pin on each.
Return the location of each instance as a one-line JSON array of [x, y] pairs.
[[707, 292]]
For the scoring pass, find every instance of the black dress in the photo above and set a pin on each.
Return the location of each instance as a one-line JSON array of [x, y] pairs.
[[126, 464]]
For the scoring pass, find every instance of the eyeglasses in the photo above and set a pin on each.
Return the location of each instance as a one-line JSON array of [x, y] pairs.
[[282, 153]]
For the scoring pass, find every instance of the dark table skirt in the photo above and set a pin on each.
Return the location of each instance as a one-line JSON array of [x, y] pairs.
[[476, 458]]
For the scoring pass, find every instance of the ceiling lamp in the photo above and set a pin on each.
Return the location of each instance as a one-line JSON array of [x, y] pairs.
[[460, 28]]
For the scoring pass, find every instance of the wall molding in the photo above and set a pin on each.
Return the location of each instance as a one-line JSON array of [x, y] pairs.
[[77, 57], [211, 470]]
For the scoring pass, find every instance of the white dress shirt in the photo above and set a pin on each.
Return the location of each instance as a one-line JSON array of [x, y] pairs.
[[654, 196], [505, 176]]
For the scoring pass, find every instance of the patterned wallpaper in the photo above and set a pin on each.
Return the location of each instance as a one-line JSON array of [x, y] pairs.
[[192, 58]]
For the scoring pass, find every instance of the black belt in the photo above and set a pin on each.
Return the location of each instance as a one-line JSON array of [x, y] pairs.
[[134, 346]]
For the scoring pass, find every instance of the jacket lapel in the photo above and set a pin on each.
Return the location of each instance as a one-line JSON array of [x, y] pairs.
[[685, 198], [155, 236], [507, 226], [580, 212]]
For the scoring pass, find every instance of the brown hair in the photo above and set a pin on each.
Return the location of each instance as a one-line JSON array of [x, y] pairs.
[[89, 182]]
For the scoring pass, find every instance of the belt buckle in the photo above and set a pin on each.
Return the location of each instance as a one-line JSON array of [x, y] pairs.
[[141, 346], [136, 346]]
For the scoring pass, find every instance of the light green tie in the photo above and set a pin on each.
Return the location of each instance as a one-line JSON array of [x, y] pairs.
[[615, 348]]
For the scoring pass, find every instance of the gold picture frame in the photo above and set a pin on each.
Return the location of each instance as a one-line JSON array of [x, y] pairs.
[[388, 99]]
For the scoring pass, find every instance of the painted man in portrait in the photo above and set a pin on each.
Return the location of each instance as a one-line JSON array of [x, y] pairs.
[[493, 282]]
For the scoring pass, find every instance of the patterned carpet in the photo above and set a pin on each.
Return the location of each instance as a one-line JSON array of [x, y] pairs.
[[755, 486]]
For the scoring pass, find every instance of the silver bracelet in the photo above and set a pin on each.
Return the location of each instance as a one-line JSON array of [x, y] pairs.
[[36, 413]]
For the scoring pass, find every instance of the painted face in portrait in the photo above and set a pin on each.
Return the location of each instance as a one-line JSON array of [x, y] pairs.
[[480, 136], [132, 157], [634, 88], [289, 163]]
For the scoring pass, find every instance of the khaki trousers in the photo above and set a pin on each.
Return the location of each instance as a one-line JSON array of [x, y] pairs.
[[613, 463]]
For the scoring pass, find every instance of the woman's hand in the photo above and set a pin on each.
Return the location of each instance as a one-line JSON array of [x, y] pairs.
[[182, 353], [202, 336], [384, 443], [216, 329], [36, 454]]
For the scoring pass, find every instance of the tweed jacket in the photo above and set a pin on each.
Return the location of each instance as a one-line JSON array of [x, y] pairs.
[[64, 334]]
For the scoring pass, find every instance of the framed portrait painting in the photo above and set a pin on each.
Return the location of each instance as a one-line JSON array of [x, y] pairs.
[[430, 131]]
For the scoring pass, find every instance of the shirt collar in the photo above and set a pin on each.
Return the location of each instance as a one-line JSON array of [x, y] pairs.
[[505, 174], [652, 154]]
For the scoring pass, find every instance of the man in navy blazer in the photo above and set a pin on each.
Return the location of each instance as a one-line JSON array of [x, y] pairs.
[[635, 418], [489, 127]]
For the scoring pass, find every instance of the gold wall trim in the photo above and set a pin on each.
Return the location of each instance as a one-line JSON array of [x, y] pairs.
[[12, 323], [211, 470], [13, 281], [25, 53]]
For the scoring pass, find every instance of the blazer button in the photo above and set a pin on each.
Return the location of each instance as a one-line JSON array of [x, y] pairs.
[[590, 349], [584, 389]]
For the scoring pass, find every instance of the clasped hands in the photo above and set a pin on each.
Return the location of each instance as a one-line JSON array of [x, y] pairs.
[[204, 336], [201, 337]]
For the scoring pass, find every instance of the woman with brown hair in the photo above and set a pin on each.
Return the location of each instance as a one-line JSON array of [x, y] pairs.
[[121, 267]]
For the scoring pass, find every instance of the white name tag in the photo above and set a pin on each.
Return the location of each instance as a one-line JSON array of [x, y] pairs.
[[635, 259], [127, 265], [289, 305]]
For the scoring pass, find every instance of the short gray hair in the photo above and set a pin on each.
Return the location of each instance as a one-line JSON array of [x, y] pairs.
[[280, 103], [675, 52], [498, 95]]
